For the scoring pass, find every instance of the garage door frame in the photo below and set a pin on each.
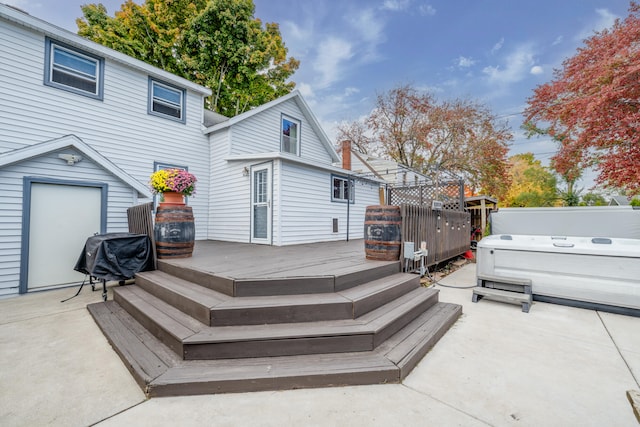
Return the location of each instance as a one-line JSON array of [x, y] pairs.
[[26, 216]]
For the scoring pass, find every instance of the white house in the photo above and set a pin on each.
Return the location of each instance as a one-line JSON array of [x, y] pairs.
[[83, 126], [273, 179]]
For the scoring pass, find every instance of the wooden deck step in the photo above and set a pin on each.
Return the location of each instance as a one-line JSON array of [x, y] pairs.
[[350, 335], [160, 373], [309, 279], [165, 322], [217, 309], [193, 340], [186, 296]]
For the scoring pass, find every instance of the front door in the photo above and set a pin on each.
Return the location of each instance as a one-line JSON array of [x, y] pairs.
[[261, 204]]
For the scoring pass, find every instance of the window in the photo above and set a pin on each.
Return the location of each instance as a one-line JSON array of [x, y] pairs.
[[290, 136], [342, 189], [73, 70], [166, 100], [159, 166]]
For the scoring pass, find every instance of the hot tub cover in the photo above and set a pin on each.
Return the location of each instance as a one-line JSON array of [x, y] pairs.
[[115, 256]]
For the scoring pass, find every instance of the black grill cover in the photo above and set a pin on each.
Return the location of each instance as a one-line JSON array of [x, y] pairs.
[[115, 256]]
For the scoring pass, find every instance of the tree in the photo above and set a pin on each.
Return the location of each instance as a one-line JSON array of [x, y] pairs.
[[459, 136], [216, 43], [356, 132], [592, 105], [593, 199], [532, 184]]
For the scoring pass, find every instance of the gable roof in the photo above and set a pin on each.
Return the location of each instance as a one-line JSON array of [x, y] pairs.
[[72, 141], [300, 102], [23, 19]]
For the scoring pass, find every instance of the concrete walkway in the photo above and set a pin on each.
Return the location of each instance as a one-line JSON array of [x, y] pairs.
[[497, 366]]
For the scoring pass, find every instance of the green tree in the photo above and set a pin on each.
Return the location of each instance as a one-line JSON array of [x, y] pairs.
[[532, 184], [216, 43], [593, 199]]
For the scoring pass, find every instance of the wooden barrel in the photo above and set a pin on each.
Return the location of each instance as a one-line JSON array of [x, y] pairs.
[[382, 232], [174, 231]]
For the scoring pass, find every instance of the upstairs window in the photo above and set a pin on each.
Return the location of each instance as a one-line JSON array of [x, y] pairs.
[[290, 136], [73, 70], [166, 100], [342, 189]]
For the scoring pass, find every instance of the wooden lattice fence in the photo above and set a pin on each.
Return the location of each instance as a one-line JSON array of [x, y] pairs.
[[446, 232], [450, 193]]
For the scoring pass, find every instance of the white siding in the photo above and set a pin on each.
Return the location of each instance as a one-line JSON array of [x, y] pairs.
[[118, 127], [260, 133], [229, 214], [307, 212], [120, 197]]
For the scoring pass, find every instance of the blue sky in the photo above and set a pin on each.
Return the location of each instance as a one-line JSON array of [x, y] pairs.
[[492, 51]]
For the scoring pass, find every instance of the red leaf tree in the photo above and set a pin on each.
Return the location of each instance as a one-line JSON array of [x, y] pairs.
[[592, 106]]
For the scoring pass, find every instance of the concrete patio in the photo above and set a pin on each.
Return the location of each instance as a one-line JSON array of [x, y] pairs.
[[497, 366]]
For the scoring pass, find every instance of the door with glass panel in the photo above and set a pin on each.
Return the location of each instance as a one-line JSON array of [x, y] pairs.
[[261, 204]]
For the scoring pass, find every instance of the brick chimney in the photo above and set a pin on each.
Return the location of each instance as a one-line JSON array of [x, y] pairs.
[[346, 154]]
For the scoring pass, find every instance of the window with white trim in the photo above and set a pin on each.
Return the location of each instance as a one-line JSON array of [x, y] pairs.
[[73, 70], [342, 189], [290, 134], [166, 100]]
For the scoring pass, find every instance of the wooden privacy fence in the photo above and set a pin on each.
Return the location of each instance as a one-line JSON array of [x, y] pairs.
[[446, 232], [140, 219]]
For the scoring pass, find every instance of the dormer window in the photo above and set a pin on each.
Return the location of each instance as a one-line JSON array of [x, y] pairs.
[[290, 136], [73, 70]]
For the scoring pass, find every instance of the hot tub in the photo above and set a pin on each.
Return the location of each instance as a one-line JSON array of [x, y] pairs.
[[590, 272]]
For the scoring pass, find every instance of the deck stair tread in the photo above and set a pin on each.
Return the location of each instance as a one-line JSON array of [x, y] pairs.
[[154, 310], [306, 279], [187, 296], [160, 373], [370, 323], [217, 309]]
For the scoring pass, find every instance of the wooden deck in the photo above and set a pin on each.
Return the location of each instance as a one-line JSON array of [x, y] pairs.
[[238, 317]]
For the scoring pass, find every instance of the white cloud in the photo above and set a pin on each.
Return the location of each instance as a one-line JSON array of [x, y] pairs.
[[351, 90], [496, 47], [464, 62], [368, 25], [427, 10], [395, 5], [332, 52], [557, 41], [305, 90], [604, 20], [517, 65], [536, 69]]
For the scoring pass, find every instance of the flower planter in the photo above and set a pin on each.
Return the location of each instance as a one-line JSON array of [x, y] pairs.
[[172, 198]]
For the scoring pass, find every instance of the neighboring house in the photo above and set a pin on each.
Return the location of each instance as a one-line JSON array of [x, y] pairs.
[[273, 179], [389, 171], [83, 126], [619, 201]]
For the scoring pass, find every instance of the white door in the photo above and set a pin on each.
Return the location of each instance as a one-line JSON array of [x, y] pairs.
[[261, 204], [62, 217]]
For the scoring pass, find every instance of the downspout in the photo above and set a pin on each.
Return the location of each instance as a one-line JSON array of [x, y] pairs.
[[348, 202]]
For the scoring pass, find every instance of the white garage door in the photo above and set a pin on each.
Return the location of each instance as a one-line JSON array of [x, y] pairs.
[[62, 218]]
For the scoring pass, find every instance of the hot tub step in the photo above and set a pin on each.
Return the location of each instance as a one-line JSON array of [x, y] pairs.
[[504, 296]]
